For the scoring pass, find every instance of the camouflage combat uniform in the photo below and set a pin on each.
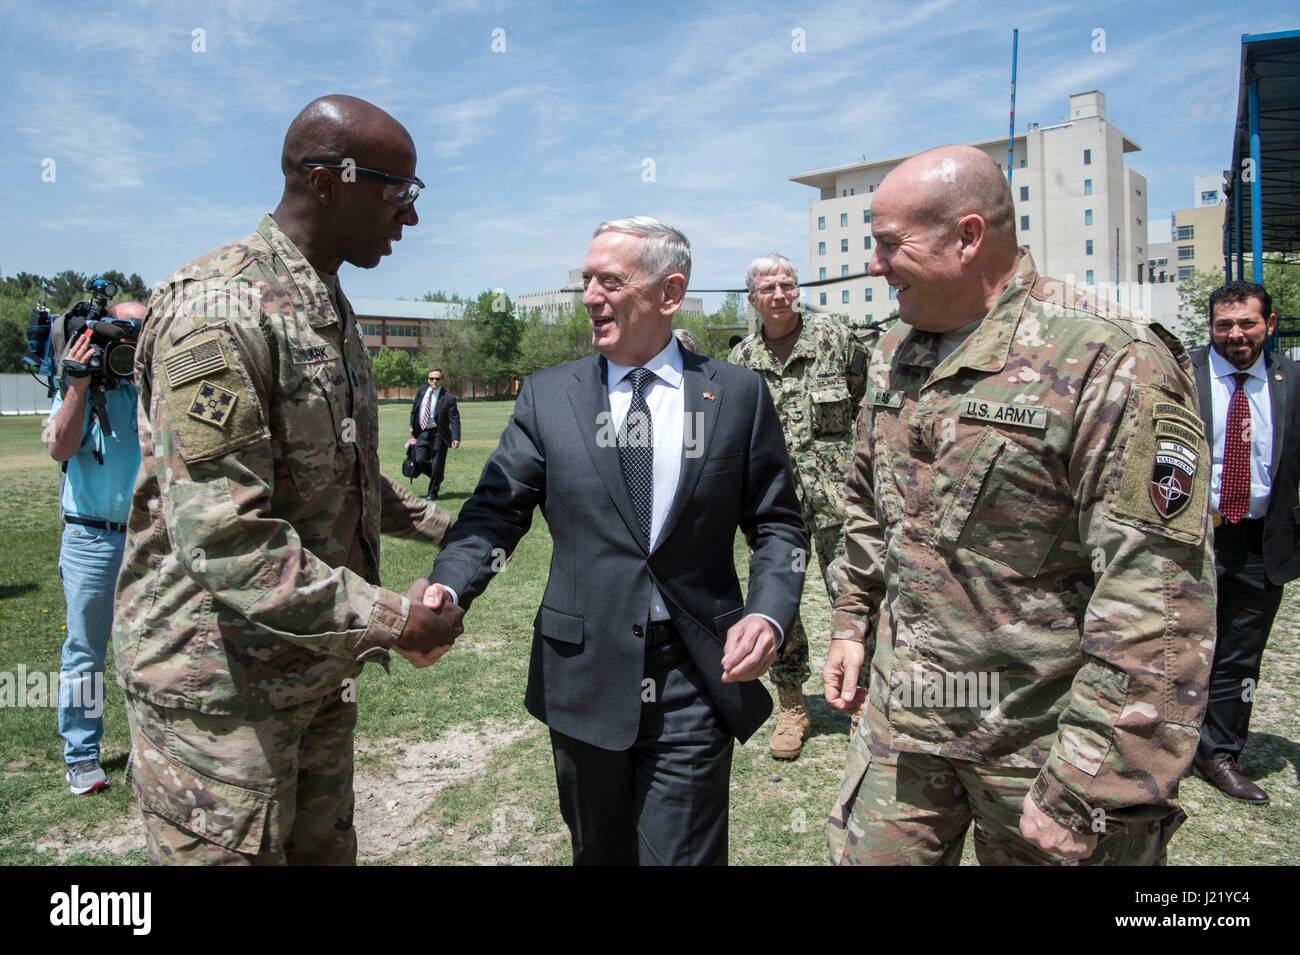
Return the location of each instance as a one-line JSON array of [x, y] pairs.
[[1027, 545], [817, 393], [249, 591]]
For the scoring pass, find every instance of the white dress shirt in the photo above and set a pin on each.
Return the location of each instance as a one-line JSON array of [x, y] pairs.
[[665, 397], [430, 399], [1222, 386]]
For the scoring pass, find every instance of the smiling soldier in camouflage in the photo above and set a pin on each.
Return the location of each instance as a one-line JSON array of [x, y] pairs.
[[1040, 598]]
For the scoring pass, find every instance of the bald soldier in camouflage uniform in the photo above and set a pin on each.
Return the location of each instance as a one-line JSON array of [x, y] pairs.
[[249, 596], [815, 371], [1027, 551]]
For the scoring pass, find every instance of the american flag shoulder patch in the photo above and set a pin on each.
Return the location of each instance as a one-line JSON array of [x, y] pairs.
[[204, 358]]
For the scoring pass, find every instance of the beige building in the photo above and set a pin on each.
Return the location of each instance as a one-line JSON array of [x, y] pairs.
[[399, 324], [551, 304], [1196, 233], [1079, 208]]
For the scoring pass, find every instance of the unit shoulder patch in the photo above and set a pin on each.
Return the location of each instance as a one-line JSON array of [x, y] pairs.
[[1164, 472], [213, 404]]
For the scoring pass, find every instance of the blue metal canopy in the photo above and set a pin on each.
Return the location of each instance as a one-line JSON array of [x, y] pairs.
[[1263, 214]]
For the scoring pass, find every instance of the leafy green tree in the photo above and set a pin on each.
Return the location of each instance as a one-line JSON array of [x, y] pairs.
[[731, 311], [387, 368], [1194, 302], [13, 345], [493, 316], [441, 296], [409, 372], [66, 288], [453, 346]]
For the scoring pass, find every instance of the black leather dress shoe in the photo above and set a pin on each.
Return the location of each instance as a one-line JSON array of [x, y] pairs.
[[1223, 773]]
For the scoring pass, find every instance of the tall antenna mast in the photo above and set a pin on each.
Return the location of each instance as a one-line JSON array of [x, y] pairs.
[[1011, 132]]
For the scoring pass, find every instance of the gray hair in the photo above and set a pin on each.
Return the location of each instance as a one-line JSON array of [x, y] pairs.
[[767, 265], [663, 251]]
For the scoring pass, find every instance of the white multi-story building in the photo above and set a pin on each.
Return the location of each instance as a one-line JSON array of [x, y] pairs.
[[551, 304], [1079, 208]]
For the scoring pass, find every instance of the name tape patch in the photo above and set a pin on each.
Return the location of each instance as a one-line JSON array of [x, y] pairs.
[[310, 354], [998, 413], [885, 399]]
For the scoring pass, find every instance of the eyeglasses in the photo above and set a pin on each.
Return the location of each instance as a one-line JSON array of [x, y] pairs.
[[789, 288], [434, 378], [400, 191]]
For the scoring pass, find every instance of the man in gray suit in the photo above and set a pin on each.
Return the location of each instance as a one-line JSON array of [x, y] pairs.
[[1250, 404], [644, 460]]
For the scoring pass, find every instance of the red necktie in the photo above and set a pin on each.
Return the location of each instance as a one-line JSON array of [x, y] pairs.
[[1234, 485]]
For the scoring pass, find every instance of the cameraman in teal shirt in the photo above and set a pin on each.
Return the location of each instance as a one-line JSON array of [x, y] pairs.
[[100, 475]]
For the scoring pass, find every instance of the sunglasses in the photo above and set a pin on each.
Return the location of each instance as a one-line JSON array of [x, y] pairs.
[[398, 190]]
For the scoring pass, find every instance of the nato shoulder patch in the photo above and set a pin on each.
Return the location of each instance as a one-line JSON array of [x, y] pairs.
[[196, 361], [1164, 472]]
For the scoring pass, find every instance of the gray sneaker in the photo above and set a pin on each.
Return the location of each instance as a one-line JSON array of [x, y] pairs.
[[86, 777]]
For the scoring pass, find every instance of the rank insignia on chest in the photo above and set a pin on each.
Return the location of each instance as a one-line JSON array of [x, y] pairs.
[[212, 404], [1173, 475], [884, 399]]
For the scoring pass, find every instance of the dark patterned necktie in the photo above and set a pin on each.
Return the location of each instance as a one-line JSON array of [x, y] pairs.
[[636, 451], [1234, 484]]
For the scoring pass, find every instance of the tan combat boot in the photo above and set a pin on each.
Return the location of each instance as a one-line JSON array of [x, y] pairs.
[[792, 724]]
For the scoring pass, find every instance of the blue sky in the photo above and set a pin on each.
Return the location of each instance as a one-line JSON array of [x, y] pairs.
[[163, 152]]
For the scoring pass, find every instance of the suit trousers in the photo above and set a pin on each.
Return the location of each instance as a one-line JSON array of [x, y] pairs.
[[1246, 608], [437, 459], [664, 800]]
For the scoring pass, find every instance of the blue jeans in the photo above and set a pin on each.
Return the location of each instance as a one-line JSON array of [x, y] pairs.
[[88, 564]]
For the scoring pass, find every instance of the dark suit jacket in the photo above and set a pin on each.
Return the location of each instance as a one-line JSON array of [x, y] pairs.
[[445, 422], [584, 677], [1282, 520]]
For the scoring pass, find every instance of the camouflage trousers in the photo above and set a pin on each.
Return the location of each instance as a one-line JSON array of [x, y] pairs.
[[274, 789], [914, 809], [790, 669]]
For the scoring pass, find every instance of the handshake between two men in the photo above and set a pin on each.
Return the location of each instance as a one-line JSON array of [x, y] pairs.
[[435, 621]]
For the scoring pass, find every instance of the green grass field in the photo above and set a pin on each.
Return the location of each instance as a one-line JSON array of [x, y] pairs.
[[450, 768]]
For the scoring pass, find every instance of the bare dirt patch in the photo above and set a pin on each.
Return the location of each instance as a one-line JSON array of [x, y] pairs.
[[396, 787], [396, 782]]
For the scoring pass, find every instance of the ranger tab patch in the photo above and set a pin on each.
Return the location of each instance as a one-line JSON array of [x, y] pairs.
[[213, 404]]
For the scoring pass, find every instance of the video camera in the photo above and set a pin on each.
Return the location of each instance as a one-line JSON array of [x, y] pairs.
[[112, 348], [112, 341]]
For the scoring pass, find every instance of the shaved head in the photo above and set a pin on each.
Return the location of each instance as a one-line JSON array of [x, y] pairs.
[[337, 127], [945, 236], [336, 215], [948, 182]]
